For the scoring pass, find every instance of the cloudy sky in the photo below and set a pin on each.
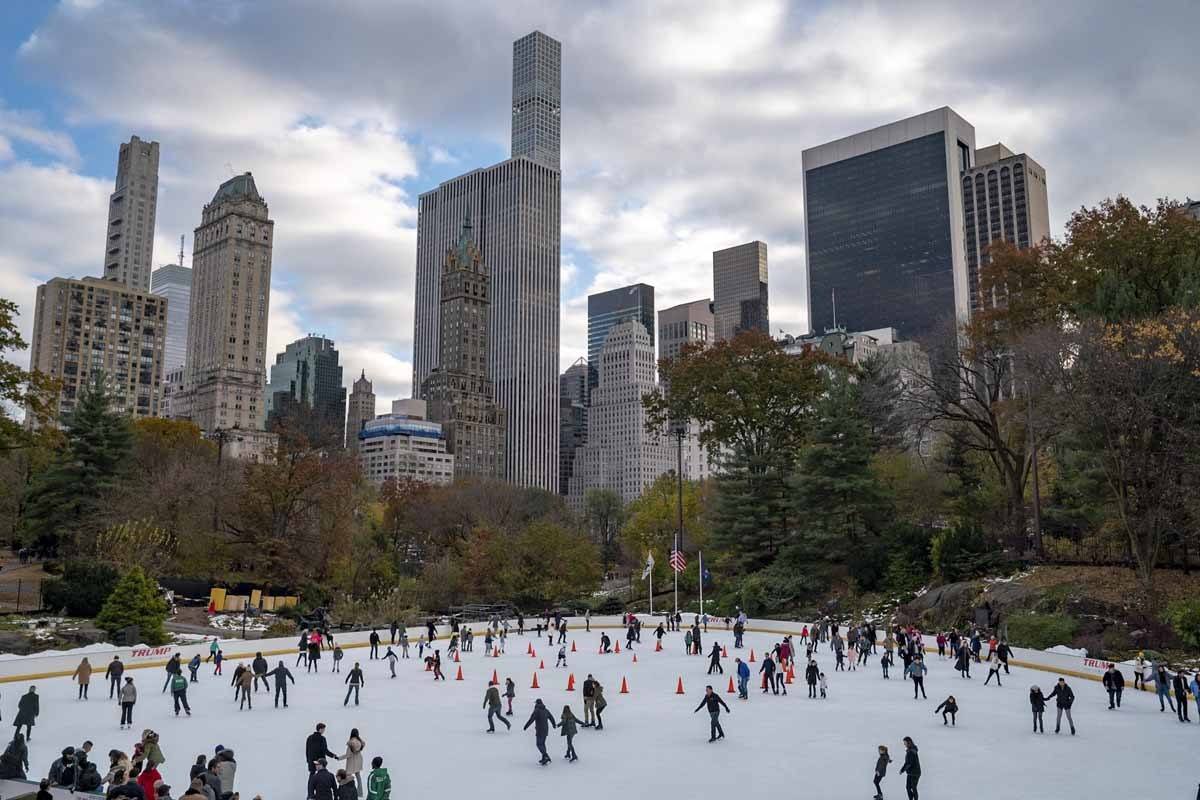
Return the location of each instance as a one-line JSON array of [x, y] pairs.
[[683, 124]]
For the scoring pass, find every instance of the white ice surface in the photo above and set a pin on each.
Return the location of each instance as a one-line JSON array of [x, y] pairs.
[[433, 741]]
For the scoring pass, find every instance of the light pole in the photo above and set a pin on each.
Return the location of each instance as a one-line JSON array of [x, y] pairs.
[[678, 432]]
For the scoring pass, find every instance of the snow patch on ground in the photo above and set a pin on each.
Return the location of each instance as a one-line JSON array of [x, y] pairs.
[[233, 622], [1062, 649]]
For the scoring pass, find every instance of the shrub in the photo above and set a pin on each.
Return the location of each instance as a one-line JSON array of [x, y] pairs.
[[1040, 631], [963, 552], [1184, 617], [82, 589], [280, 628], [135, 601]]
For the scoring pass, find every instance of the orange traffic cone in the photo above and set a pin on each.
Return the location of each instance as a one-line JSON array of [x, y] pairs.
[[635, 658], [571, 682], [459, 676], [658, 646], [617, 649], [730, 690], [495, 652], [455, 656], [751, 655], [764, 682], [679, 687], [534, 685], [724, 652], [496, 678], [572, 645], [791, 675], [624, 686], [529, 648], [533, 653], [541, 665]]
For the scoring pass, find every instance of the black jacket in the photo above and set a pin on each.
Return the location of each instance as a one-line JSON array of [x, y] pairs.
[[1065, 697], [315, 747], [259, 665], [1114, 680], [713, 701], [1037, 701], [129, 789], [174, 666], [355, 677], [589, 688], [949, 705], [282, 675], [115, 669], [912, 762], [541, 719], [347, 791], [811, 673], [1181, 684], [28, 707], [322, 785]]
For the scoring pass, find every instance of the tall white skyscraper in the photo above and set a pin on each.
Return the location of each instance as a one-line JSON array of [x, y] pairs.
[[174, 282], [129, 242], [516, 209]]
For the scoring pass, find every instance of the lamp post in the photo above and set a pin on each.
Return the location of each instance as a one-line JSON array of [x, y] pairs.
[[678, 430]]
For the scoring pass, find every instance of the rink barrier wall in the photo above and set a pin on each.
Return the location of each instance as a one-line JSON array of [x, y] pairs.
[[25, 668]]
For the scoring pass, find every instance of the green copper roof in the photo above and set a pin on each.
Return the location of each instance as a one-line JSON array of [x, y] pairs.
[[240, 186]]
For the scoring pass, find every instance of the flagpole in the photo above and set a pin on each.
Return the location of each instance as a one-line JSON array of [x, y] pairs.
[[700, 574], [676, 572], [652, 591]]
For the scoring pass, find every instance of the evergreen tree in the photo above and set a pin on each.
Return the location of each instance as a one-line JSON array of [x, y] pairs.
[[62, 500], [752, 520], [135, 601]]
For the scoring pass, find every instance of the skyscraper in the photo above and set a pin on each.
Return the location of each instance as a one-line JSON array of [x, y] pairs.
[[536, 99], [1004, 199], [515, 207], [740, 290], [129, 244], [174, 282], [620, 454], [883, 213], [686, 323], [359, 410], [459, 391], [307, 375], [608, 309], [227, 325], [573, 393]]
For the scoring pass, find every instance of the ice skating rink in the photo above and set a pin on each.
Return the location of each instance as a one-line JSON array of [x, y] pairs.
[[432, 736]]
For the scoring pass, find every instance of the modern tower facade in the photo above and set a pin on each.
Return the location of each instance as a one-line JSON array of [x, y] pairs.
[[307, 374], [174, 282], [227, 325], [129, 247], [608, 309], [620, 454], [537, 99], [359, 410], [740, 290], [87, 325], [573, 394], [883, 213], [459, 392], [1004, 199], [515, 207], [686, 323]]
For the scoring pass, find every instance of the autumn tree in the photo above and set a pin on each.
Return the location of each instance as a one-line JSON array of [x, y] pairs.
[[652, 521], [603, 516]]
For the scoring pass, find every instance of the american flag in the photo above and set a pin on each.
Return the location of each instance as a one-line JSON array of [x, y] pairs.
[[678, 560]]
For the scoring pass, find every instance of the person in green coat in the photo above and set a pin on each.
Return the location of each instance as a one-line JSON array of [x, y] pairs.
[[379, 783], [568, 726]]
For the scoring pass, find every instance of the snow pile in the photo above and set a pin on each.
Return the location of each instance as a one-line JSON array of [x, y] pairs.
[[233, 622], [1063, 650]]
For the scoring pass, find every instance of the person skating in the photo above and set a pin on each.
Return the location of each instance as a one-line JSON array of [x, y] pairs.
[[302, 648], [1063, 698], [962, 662], [743, 678], [316, 749], [1162, 687], [321, 783], [338, 655], [83, 675], [236, 681], [194, 669], [491, 701], [14, 762], [179, 687], [355, 680], [811, 672], [948, 706], [213, 646], [1180, 684], [714, 657], [1003, 652], [561, 661], [260, 667], [354, 758], [128, 697], [28, 708], [687, 641], [881, 765], [390, 658], [916, 671], [116, 668], [1114, 684], [436, 663], [1037, 703], [374, 641], [218, 660], [911, 768], [314, 655], [767, 670], [568, 726], [993, 672], [510, 694], [714, 703], [245, 683], [174, 667], [739, 630], [541, 719], [282, 675], [885, 662], [601, 704], [379, 782], [823, 684]]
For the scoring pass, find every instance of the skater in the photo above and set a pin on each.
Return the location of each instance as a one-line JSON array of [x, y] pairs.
[[321, 783], [1037, 702], [114, 672], [314, 655], [491, 701], [282, 675], [218, 660], [601, 704], [316, 749], [260, 668], [393, 629], [390, 658], [354, 758], [739, 630], [236, 683], [886, 662], [1064, 698], [963, 662], [510, 693], [338, 655], [379, 782], [767, 670], [587, 621], [403, 644], [355, 680], [568, 726], [179, 687], [437, 665], [1162, 687], [213, 646], [948, 706], [541, 719], [715, 660], [173, 668], [911, 768], [881, 765], [14, 762], [194, 668], [374, 640], [562, 657], [1114, 683], [1139, 671], [743, 679], [1003, 652], [823, 684], [83, 674], [127, 696], [1180, 683], [687, 642], [993, 672], [714, 703], [245, 682], [589, 701], [810, 677], [303, 646], [605, 643], [28, 708], [916, 670]]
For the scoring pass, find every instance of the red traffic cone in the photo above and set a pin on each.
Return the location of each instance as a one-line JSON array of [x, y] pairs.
[[456, 657], [658, 646], [791, 675], [572, 645], [212, 607], [635, 658], [764, 681], [459, 676], [533, 653], [571, 682], [730, 690], [529, 648], [495, 652], [679, 687], [624, 686], [496, 678], [541, 665], [724, 652], [617, 649], [751, 655], [534, 685]]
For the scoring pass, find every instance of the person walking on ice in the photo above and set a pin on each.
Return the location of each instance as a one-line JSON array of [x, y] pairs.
[[714, 704], [179, 687], [1037, 702], [28, 708], [568, 726], [114, 672], [1114, 684], [916, 670], [1064, 698], [743, 676], [355, 680], [881, 765], [128, 697], [947, 706], [491, 701], [541, 719], [911, 768], [714, 664], [282, 675], [510, 693], [83, 675]]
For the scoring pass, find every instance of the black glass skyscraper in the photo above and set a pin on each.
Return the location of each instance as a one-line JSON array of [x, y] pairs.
[[608, 309]]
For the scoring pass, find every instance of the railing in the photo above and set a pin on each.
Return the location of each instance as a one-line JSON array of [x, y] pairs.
[[1091, 550], [21, 594]]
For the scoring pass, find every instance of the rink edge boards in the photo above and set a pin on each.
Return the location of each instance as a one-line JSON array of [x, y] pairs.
[[98, 665]]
